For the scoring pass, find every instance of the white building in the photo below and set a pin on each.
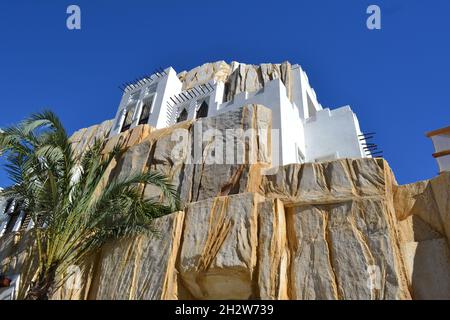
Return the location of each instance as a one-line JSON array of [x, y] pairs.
[[307, 132], [441, 142]]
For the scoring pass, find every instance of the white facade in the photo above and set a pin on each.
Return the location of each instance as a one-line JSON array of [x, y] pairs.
[[305, 131], [441, 142]]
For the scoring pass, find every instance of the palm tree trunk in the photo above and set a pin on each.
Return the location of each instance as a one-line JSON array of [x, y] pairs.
[[42, 289]]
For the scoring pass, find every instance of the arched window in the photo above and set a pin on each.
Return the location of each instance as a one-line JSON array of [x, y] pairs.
[[202, 112], [145, 114], [128, 119], [183, 116]]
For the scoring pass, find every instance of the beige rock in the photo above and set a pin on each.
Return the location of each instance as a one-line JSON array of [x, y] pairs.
[[239, 77], [251, 78], [77, 136], [414, 229], [103, 130], [195, 173], [169, 155], [332, 230], [429, 200], [84, 138], [273, 254], [218, 71], [311, 274], [213, 176], [219, 247], [79, 281], [138, 134], [141, 268], [117, 140], [423, 210], [326, 182], [428, 266], [346, 250], [134, 161]]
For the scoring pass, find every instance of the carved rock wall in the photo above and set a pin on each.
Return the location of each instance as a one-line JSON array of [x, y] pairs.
[[333, 230]]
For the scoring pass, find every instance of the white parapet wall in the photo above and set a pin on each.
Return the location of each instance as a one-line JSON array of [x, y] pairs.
[[333, 134]]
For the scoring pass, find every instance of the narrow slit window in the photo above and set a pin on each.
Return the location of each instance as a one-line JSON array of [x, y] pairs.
[[202, 112], [183, 116], [128, 119], [145, 114], [226, 91]]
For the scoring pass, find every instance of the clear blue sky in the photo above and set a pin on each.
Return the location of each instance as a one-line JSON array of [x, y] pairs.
[[395, 79]]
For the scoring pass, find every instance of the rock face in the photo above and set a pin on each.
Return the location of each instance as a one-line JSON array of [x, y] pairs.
[[341, 226], [144, 267], [423, 209], [196, 169], [238, 77], [332, 230], [84, 138]]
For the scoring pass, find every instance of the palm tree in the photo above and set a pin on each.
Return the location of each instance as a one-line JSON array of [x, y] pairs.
[[75, 209]]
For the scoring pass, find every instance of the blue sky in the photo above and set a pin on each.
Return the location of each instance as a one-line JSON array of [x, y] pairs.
[[395, 79]]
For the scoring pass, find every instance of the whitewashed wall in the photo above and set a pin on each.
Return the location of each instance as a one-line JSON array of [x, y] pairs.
[[333, 134], [166, 86]]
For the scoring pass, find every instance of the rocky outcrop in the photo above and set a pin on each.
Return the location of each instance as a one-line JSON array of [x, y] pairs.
[[218, 71], [333, 230], [341, 226], [423, 211], [84, 138], [197, 169], [238, 77], [143, 268]]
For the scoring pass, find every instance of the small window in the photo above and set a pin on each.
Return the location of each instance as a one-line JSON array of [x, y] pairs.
[[10, 206], [128, 119], [183, 116], [226, 92], [146, 109], [145, 114], [202, 112]]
